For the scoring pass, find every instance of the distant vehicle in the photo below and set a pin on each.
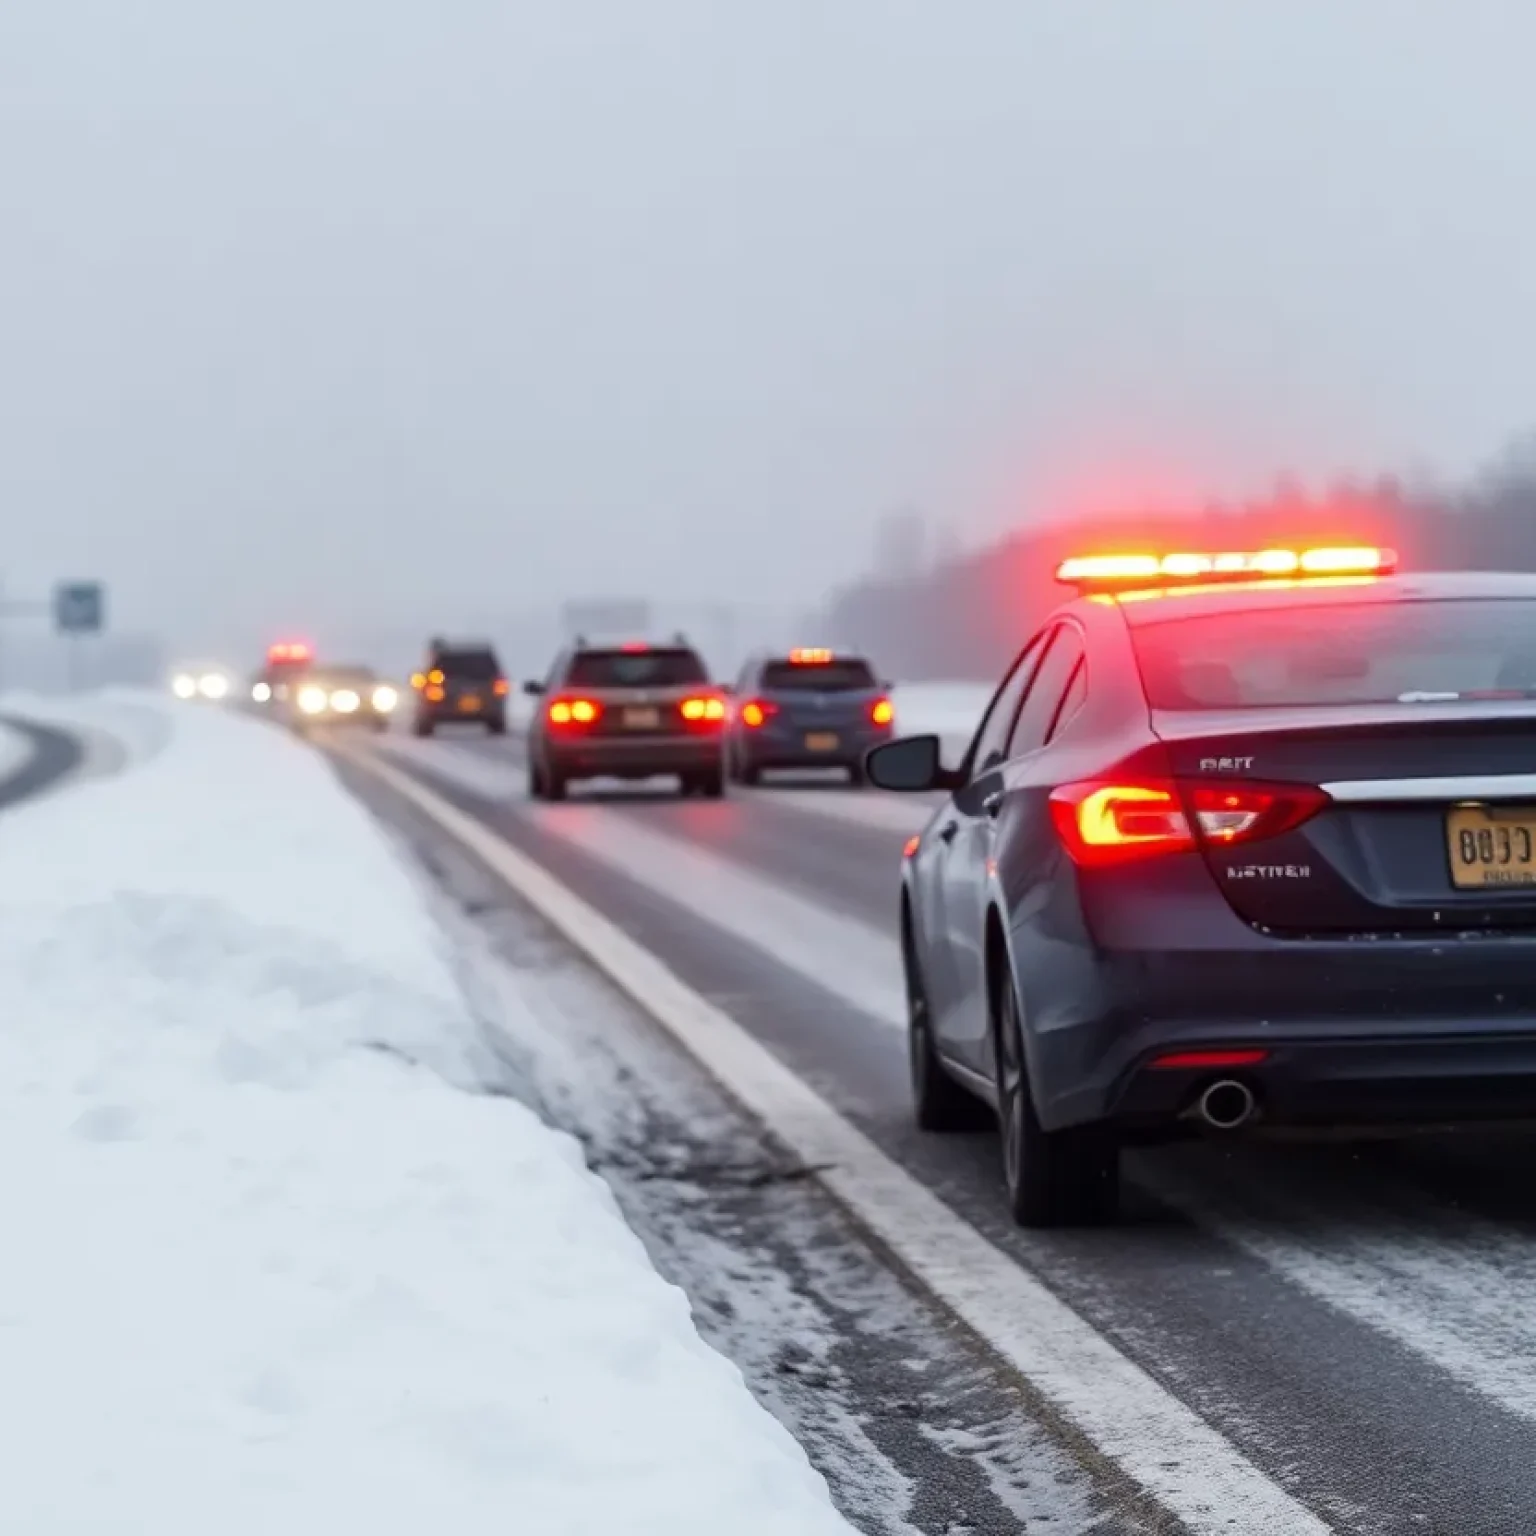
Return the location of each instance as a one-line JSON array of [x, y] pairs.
[[286, 661], [344, 696], [632, 711], [212, 683], [809, 708], [461, 682]]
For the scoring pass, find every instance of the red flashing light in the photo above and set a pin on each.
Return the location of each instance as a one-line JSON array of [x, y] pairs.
[[1232, 565], [755, 713], [635, 647], [1103, 824], [882, 712], [289, 650], [569, 712], [1207, 1061], [704, 708]]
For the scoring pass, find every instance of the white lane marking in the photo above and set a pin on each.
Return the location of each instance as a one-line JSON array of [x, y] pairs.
[[1198, 1475], [1462, 1302], [848, 958], [491, 777]]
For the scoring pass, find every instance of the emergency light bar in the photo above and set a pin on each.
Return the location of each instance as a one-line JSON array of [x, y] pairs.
[[809, 656], [1233, 565], [288, 651]]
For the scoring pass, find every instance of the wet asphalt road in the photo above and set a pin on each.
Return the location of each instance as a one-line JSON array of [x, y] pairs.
[[1360, 1320]]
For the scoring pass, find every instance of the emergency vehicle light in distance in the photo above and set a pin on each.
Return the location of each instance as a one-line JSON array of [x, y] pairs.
[[809, 656], [1326, 560]]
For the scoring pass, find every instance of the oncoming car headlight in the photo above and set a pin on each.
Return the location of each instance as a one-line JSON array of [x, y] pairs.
[[213, 685], [184, 686], [262, 692], [345, 702], [385, 698], [312, 700]]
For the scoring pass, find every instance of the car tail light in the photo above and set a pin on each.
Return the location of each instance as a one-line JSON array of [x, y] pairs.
[[1111, 823], [755, 712], [703, 708], [418, 680], [574, 711], [434, 693], [882, 711], [499, 687], [910, 847], [1207, 1061]]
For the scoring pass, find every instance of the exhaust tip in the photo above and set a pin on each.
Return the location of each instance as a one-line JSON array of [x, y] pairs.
[[1227, 1105]]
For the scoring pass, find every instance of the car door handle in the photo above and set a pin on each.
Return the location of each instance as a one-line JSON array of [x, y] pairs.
[[948, 830], [993, 803]]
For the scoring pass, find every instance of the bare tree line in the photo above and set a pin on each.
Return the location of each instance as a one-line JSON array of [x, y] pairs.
[[963, 618]]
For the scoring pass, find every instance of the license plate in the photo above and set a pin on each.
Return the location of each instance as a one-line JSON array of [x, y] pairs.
[[470, 703], [642, 719], [1491, 846], [821, 741]]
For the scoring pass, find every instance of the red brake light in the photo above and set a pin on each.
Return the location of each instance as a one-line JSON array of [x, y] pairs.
[[1102, 824], [573, 711], [705, 707], [882, 711], [500, 687], [755, 712], [1207, 1061]]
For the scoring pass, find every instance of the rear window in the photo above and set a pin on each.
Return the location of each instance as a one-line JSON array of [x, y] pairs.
[[480, 666], [1349, 653], [635, 669], [847, 674]]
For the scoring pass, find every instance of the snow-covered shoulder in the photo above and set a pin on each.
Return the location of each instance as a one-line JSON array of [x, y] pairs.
[[15, 749], [265, 1269]]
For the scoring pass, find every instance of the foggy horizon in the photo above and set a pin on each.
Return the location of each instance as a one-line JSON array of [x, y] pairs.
[[340, 315]]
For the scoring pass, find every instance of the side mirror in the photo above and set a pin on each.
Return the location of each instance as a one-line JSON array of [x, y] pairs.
[[910, 765], [533, 687]]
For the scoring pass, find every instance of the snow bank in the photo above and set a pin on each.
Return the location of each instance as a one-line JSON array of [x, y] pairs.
[[14, 751], [264, 1270]]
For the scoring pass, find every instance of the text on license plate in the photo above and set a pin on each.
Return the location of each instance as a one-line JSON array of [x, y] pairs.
[[470, 703], [642, 719], [1491, 845], [821, 741]]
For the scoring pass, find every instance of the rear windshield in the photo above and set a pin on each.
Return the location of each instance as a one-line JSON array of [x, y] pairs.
[[848, 674], [481, 666], [635, 669], [1350, 653]]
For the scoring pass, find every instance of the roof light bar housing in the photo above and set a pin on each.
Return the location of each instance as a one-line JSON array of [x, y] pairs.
[[1098, 572]]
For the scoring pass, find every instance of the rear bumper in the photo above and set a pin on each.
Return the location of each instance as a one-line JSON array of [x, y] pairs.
[[618, 758], [1356, 1034], [447, 712], [781, 747]]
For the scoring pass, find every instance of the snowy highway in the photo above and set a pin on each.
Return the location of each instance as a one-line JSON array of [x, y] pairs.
[[1354, 1323]]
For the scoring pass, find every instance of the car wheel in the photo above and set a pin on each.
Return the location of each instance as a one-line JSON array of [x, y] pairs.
[[1053, 1178], [746, 773], [939, 1103], [856, 775], [712, 784], [554, 785], [496, 727], [422, 728], [535, 781]]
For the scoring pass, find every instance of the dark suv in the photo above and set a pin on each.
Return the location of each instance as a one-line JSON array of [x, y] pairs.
[[462, 681], [807, 709], [626, 712]]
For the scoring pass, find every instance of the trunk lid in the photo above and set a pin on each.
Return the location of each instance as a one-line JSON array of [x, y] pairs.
[[1431, 823]]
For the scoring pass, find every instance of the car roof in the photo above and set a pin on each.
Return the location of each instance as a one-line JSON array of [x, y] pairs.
[[1162, 605]]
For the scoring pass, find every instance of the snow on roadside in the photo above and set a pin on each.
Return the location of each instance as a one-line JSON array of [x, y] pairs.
[[259, 1276], [14, 751]]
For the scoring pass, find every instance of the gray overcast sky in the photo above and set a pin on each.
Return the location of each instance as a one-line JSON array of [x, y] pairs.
[[415, 301]]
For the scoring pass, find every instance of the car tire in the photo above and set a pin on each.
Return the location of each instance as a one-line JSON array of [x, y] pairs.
[[939, 1103], [496, 727], [535, 781], [746, 773], [1067, 1178], [712, 784], [555, 785], [856, 775], [422, 728]]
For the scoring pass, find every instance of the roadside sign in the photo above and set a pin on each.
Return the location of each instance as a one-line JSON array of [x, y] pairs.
[[79, 607]]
